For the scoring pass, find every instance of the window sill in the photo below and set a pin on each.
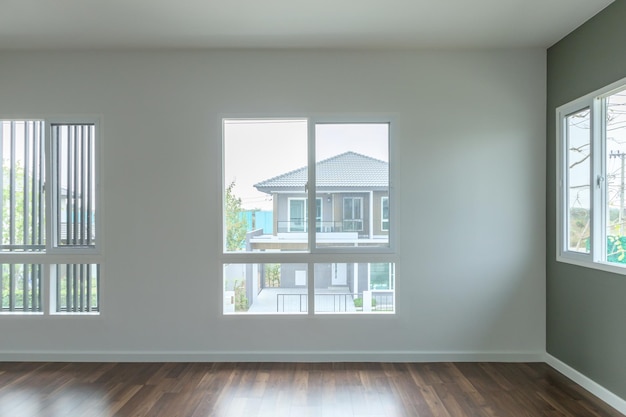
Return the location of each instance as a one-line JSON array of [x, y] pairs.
[[600, 266]]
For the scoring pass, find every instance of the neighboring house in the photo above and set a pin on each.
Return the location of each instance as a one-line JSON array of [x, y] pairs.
[[352, 209]]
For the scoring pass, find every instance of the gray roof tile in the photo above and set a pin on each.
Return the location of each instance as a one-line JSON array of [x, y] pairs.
[[344, 171]]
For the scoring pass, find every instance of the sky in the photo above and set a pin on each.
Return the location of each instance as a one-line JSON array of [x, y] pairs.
[[256, 150]]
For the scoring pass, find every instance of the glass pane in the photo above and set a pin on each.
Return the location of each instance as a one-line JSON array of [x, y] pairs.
[[265, 176], [77, 287], [354, 288], [20, 289], [578, 135], [74, 185], [352, 178], [23, 177], [380, 277], [265, 289], [615, 177], [297, 215]]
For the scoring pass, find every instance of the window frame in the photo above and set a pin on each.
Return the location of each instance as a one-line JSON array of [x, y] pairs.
[[393, 166], [316, 255], [596, 257], [52, 230], [53, 255]]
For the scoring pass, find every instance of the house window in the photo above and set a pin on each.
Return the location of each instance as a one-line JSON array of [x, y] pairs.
[[381, 276], [298, 214], [333, 177], [352, 214], [591, 180], [384, 213], [48, 165], [74, 182]]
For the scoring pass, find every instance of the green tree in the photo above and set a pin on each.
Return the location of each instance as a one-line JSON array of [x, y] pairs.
[[18, 225], [272, 275], [241, 301], [236, 227]]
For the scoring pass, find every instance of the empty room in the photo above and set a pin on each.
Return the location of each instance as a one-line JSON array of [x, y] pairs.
[[313, 209]]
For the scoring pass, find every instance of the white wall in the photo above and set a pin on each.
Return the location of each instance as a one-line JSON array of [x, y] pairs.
[[470, 128]]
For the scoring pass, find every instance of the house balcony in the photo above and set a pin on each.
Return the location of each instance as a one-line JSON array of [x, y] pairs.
[[296, 226], [293, 236]]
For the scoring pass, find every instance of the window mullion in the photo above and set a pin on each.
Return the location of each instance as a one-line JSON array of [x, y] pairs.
[[312, 186], [598, 177], [51, 162], [311, 213]]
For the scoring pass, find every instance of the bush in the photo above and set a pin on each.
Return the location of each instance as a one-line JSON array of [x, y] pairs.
[[358, 302], [241, 301]]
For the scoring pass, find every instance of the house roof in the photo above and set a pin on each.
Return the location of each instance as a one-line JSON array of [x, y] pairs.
[[346, 171]]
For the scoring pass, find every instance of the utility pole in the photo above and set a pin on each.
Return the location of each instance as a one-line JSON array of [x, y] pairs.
[[621, 155]]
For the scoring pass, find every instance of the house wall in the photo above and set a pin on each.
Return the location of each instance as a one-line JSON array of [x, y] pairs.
[[586, 311], [468, 131]]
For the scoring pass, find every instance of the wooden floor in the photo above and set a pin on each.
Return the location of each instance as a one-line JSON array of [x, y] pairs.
[[290, 389]]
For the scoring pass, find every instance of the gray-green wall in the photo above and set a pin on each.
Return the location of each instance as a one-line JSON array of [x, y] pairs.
[[586, 309]]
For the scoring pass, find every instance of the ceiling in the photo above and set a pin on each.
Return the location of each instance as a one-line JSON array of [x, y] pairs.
[[126, 24]]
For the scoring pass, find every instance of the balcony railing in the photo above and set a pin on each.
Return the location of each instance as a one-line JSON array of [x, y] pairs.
[[335, 302], [324, 227]]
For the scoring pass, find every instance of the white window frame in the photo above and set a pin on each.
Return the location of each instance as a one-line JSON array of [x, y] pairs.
[[317, 255], [54, 255], [596, 258]]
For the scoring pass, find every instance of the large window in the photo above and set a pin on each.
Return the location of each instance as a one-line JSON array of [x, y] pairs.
[[592, 179], [49, 217], [282, 175]]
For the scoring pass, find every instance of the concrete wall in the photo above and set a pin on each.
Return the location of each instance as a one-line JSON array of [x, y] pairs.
[[469, 136]]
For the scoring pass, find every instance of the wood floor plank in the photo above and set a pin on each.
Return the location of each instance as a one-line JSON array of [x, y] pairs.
[[292, 389]]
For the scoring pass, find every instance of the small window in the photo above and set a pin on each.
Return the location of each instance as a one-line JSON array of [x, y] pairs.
[[352, 214], [592, 178], [355, 287], [297, 215], [73, 175], [270, 288], [21, 288], [77, 288]]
